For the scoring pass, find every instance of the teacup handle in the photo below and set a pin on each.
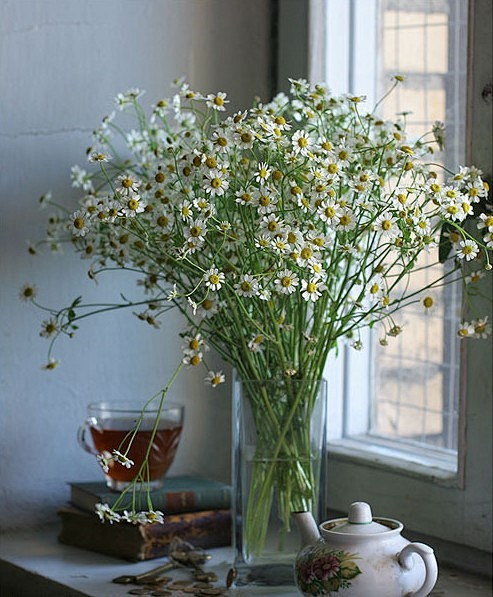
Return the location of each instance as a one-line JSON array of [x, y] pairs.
[[81, 435], [426, 552]]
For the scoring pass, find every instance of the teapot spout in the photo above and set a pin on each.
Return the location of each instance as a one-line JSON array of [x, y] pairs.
[[308, 528]]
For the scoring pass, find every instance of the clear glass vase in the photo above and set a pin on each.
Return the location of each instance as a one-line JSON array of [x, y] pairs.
[[279, 439]]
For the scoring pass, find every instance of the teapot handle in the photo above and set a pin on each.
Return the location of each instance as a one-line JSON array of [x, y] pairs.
[[426, 552]]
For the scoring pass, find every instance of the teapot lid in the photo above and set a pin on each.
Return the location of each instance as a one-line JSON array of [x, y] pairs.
[[359, 522]]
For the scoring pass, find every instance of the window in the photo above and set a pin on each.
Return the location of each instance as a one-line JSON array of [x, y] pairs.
[[408, 398], [451, 508]]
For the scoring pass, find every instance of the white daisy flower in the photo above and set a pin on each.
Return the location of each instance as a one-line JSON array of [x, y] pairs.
[[122, 459], [105, 513], [217, 102], [79, 221], [302, 143], [486, 222], [329, 211], [185, 209], [215, 183], [263, 172], [127, 184], [81, 179], [133, 205], [465, 330], [482, 329], [247, 286], [312, 290], [346, 219], [256, 344], [214, 378], [196, 231], [266, 201], [97, 156], [286, 282], [467, 250], [386, 225], [213, 278]]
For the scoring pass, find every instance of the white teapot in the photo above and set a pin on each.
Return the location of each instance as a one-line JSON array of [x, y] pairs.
[[361, 556]]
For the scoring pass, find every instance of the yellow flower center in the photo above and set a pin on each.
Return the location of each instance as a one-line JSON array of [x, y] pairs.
[[216, 183], [386, 225], [79, 223], [246, 137], [194, 344], [211, 163], [218, 101], [195, 360], [374, 288], [296, 190], [302, 142], [332, 168], [264, 200], [479, 328], [311, 287], [207, 304], [428, 302], [195, 231], [345, 220], [272, 226], [306, 253], [214, 279], [246, 286], [286, 281], [127, 182]]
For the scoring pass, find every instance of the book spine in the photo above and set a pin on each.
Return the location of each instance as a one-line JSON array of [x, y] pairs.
[[204, 530]]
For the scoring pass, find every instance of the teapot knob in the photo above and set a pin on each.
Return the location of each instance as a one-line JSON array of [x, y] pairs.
[[360, 513]]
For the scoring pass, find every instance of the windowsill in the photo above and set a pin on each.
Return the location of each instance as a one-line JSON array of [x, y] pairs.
[[34, 563], [437, 466]]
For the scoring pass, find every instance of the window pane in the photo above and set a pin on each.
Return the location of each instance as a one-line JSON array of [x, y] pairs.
[[416, 389]]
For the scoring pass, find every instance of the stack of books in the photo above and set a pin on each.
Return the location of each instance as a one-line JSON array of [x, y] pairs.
[[197, 510]]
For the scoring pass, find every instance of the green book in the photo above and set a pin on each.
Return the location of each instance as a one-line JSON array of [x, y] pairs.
[[183, 493]]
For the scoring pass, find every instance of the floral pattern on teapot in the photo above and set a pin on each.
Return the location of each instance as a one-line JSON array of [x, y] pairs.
[[321, 571]]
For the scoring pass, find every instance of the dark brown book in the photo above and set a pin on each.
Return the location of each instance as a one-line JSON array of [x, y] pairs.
[[206, 529]]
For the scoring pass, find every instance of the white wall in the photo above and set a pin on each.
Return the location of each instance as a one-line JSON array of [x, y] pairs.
[[61, 64]]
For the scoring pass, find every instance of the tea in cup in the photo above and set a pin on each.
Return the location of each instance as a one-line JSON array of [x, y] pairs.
[[126, 428]]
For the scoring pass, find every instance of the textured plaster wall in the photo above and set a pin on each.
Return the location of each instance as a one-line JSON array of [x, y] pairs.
[[61, 64]]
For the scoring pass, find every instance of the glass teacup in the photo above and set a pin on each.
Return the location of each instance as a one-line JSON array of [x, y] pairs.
[[127, 429]]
